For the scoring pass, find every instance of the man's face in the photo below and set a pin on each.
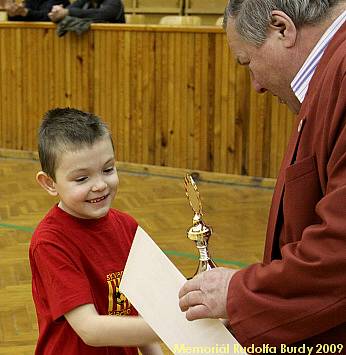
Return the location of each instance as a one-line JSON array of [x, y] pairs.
[[86, 180], [268, 64]]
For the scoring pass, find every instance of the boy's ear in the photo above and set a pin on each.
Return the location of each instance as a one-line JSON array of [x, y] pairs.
[[46, 182]]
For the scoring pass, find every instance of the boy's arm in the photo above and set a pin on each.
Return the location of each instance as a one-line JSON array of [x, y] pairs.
[[104, 330]]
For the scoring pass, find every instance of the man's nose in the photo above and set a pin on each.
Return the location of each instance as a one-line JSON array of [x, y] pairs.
[[258, 87]]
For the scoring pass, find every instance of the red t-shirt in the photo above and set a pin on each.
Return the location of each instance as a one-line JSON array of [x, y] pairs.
[[74, 262]]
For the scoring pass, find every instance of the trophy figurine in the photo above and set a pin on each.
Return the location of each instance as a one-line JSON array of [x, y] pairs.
[[199, 232]]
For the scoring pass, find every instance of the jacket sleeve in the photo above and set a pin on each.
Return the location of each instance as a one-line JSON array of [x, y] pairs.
[[303, 294], [41, 14], [109, 11]]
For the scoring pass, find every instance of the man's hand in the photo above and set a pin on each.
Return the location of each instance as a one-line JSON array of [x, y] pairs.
[[57, 13], [205, 296], [16, 10]]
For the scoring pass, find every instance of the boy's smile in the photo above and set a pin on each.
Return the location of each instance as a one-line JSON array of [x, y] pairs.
[[86, 180]]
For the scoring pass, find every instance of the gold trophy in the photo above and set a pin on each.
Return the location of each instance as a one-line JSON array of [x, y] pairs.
[[199, 232]]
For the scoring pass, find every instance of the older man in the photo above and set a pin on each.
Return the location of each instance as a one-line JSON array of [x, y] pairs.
[[296, 49]]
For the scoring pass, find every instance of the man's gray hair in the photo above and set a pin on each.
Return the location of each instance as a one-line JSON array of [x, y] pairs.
[[252, 17]]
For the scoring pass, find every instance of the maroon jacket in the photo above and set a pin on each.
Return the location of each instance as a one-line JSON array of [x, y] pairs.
[[298, 293]]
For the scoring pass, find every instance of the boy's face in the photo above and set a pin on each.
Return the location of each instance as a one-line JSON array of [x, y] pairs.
[[87, 180]]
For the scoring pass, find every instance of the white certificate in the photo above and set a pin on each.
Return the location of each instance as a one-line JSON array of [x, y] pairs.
[[152, 283]]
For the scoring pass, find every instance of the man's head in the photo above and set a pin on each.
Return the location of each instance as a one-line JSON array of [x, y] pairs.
[[77, 159], [253, 17], [274, 37]]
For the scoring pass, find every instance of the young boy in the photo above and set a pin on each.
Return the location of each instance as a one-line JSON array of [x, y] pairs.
[[79, 250]]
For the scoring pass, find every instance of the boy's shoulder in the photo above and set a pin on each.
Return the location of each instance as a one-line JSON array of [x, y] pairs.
[[124, 218], [49, 225], [115, 213]]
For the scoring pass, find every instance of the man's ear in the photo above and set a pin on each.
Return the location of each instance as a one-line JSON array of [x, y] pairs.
[[282, 26], [46, 183]]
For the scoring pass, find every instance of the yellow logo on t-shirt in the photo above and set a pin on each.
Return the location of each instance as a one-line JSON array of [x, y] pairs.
[[118, 304]]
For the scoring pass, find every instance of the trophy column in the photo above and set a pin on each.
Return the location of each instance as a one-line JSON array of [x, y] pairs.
[[199, 232]]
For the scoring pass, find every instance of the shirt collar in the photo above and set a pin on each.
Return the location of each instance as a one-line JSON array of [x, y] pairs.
[[301, 81]]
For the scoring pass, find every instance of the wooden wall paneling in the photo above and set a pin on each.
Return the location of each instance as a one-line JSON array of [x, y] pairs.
[[67, 71], [15, 83], [161, 100], [139, 134], [106, 83], [275, 138], [229, 102], [38, 83], [160, 142], [176, 96], [204, 147], [242, 80], [17, 106], [59, 94], [97, 73], [3, 71], [171, 102], [159, 6], [129, 5], [196, 101], [115, 92], [282, 121], [210, 108], [183, 117], [267, 128], [205, 6], [40, 75], [79, 89], [89, 69], [258, 117], [179, 97], [49, 59], [104, 72], [135, 136], [171, 97], [3, 119], [29, 86], [217, 119], [226, 110], [111, 83], [10, 93], [149, 99], [126, 97], [191, 129], [289, 120]]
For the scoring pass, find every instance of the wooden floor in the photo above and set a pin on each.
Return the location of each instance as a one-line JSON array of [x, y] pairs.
[[238, 214]]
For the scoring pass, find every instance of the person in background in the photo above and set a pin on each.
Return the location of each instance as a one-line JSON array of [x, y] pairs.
[[79, 250], [111, 11], [33, 10], [296, 49]]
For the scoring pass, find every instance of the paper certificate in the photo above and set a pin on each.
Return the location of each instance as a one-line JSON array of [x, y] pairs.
[[151, 283]]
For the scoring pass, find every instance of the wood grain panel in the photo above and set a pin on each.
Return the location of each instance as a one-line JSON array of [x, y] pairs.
[[172, 96]]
